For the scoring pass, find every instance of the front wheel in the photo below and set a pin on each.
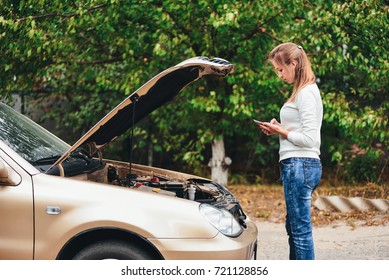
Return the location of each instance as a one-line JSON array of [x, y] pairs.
[[112, 249]]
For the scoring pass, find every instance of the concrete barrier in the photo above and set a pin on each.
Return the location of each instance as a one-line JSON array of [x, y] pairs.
[[344, 204]]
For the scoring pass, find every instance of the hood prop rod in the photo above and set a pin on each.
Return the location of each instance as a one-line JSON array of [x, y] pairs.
[[134, 98]]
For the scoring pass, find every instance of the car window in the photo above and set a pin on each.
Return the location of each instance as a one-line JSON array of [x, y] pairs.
[[28, 139]]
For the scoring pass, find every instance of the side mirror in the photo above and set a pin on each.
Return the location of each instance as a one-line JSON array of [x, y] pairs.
[[8, 176]]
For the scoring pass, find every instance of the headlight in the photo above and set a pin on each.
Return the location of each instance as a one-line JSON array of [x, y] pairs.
[[221, 219]]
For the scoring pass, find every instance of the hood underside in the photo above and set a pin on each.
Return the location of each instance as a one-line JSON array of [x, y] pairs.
[[149, 97]]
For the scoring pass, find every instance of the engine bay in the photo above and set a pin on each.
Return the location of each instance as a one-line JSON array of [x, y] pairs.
[[166, 182], [157, 180]]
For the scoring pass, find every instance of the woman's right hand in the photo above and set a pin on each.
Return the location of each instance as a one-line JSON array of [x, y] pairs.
[[265, 127]]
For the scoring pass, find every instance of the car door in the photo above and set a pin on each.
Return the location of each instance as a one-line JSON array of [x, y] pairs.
[[16, 211]]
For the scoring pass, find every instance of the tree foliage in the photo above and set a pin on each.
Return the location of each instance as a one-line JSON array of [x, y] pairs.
[[90, 54]]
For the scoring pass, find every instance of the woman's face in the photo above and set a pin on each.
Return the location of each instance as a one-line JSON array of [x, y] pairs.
[[285, 72]]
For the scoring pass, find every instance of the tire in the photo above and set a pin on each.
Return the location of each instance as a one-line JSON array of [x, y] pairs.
[[112, 249]]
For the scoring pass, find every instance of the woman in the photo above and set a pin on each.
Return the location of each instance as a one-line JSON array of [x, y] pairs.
[[299, 134]]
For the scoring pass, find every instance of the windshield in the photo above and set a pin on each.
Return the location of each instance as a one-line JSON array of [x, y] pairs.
[[28, 139]]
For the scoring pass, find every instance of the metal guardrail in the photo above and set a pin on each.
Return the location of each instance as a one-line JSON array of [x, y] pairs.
[[344, 204]]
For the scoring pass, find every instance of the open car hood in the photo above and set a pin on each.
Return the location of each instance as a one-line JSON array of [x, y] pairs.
[[149, 97]]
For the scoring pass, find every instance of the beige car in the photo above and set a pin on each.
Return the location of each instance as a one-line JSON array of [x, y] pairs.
[[60, 202]]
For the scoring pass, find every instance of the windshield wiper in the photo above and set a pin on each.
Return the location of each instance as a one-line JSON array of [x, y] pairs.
[[53, 158], [47, 160]]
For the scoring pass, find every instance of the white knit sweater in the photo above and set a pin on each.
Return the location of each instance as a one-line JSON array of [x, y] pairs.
[[303, 119]]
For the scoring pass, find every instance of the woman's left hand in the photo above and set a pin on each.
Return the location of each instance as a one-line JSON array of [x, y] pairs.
[[273, 127]]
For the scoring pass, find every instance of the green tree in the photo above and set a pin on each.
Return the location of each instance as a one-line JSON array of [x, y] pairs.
[[91, 54], [351, 55]]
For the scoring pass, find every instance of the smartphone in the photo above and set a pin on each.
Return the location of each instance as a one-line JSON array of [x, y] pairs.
[[257, 122]]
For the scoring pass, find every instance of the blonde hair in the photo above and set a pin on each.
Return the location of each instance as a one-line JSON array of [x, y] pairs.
[[284, 54]]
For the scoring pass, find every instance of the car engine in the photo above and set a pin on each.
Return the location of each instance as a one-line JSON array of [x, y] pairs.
[[166, 182]]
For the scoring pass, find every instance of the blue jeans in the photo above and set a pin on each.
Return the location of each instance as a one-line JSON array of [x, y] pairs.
[[300, 177]]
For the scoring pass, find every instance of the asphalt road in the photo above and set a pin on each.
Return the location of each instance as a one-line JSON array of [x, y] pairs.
[[333, 242]]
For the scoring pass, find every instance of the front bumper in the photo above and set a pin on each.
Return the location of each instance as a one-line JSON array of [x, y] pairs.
[[221, 247]]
